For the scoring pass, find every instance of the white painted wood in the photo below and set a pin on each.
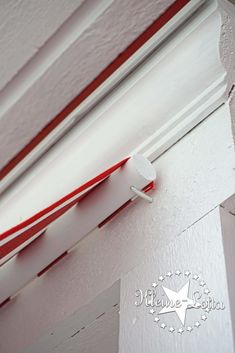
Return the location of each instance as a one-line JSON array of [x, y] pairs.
[[194, 176], [229, 204], [101, 91], [102, 202], [66, 64], [198, 249], [101, 336], [195, 109], [228, 229], [134, 116], [59, 337]]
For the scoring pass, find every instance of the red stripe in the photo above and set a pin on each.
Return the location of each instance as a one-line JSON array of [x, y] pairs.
[[150, 186], [14, 243], [20, 239], [50, 208], [5, 302], [109, 218], [147, 188], [52, 264], [108, 71]]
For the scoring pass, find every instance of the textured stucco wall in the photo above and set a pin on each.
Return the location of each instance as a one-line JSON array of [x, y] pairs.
[[42, 82]]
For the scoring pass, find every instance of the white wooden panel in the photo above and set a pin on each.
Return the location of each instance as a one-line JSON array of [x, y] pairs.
[[229, 204], [228, 228], [62, 336], [101, 336], [200, 250]]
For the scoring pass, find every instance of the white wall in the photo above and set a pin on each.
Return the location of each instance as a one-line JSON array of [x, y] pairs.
[[198, 249], [70, 333], [100, 336], [194, 177]]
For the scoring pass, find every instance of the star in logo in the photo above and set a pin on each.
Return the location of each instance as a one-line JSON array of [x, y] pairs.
[[180, 297], [178, 301], [169, 274]]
